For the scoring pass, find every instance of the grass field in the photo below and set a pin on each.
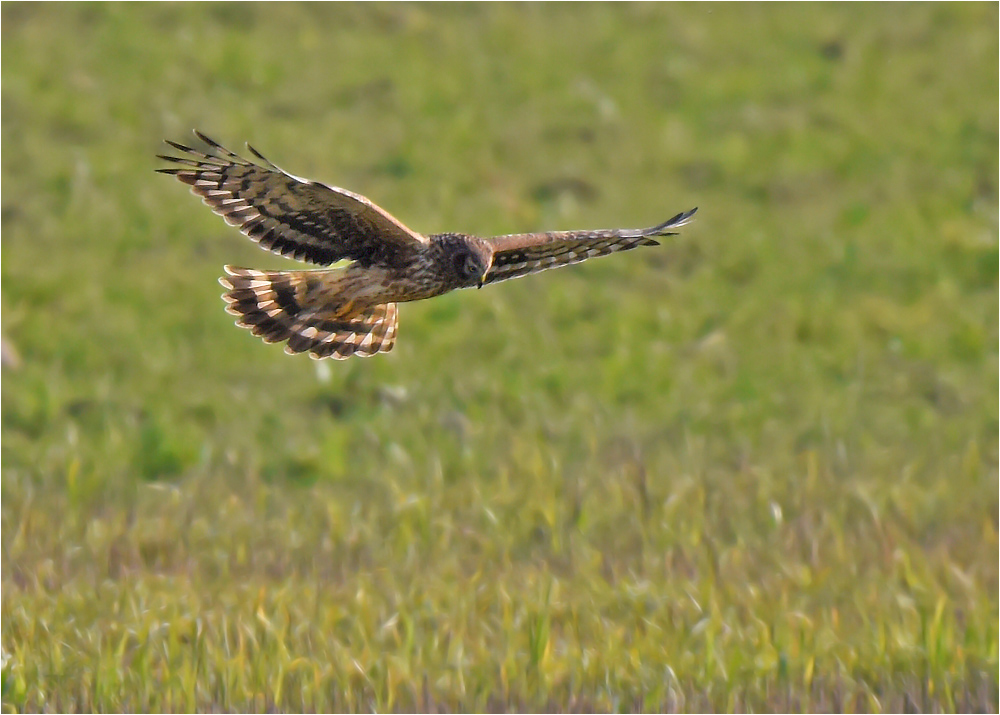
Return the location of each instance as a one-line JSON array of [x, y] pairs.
[[752, 469]]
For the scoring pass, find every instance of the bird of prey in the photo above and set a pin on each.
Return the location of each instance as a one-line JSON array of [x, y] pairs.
[[351, 310]]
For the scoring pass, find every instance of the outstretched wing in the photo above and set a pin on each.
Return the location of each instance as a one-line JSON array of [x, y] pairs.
[[523, 253], [291, 216]]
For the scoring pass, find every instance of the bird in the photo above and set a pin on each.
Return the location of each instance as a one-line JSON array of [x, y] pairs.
[[351, 310]]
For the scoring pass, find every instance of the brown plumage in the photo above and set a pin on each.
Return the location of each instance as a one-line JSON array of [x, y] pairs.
[[347, 311]]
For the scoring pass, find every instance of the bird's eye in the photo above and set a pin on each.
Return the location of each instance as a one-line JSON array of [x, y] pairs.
[[467, 266]]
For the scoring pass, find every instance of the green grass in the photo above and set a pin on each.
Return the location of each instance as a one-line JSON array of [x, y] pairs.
[[752, 469]]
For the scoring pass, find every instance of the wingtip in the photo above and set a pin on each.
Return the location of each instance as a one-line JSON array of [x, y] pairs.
[[677, 221], [682, 218], [177, 145], [204, 138], [262, 157]]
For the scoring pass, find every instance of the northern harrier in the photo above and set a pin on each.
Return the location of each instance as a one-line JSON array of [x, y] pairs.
[[340, 312]]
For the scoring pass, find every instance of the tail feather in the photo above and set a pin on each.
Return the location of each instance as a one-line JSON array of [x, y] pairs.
[[301, 307]]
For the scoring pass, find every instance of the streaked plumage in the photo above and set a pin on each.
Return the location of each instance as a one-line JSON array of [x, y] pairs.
[[351, 310]]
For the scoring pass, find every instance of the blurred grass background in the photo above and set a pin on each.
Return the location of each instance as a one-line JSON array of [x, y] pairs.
[[754, 468]]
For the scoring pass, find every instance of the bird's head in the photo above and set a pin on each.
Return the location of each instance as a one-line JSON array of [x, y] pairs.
[[470, 260]]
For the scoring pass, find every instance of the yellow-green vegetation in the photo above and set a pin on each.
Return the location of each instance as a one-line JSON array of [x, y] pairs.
[[752, 469]]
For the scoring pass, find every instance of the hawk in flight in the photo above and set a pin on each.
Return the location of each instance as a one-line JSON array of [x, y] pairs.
[[345, 311]]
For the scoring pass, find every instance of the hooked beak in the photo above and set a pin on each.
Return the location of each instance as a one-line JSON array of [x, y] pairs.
[[482, 278]]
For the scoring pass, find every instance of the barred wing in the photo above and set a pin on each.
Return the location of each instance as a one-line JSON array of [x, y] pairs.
[[524, 253], [292, 216]]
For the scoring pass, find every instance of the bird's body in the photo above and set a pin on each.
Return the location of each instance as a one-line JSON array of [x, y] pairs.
[[351, 310]]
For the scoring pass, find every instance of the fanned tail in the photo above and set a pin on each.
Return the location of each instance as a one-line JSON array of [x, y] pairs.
[[300, 307]]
